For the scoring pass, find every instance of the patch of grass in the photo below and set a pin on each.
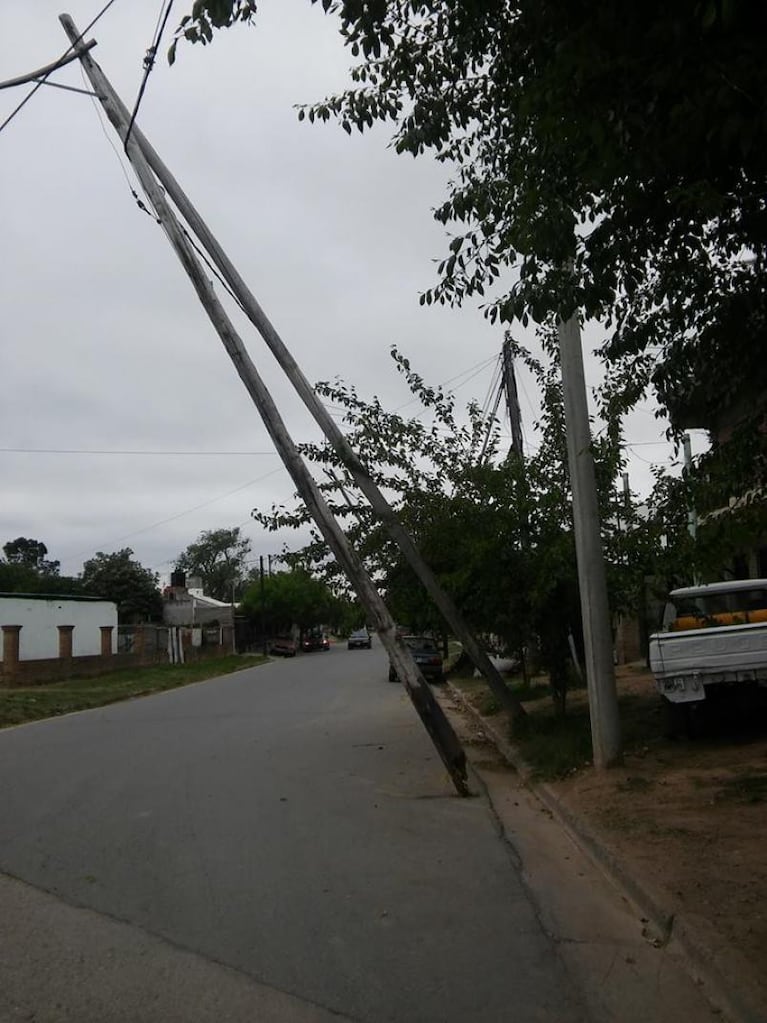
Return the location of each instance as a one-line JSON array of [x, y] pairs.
[[30, 703], [487, 704], [555, 746]]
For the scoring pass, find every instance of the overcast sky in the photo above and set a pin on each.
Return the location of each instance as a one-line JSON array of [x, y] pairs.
[[104, 345]]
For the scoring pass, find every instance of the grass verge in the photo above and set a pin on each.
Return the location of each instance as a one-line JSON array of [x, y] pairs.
[[556, 746], [30, 703]]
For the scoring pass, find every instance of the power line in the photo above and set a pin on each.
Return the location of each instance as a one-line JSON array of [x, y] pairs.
[[495, 380], [104, 451], [211, 266], [149, 60], [475, 370], [110, 140], [645, 443], [172, 518], [647, 461], [45, 77]]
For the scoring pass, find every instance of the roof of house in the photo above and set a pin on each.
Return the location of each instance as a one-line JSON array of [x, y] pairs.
[[201, 598], [58, 596]]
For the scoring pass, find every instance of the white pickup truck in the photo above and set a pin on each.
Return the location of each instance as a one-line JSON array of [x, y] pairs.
[[713, 635]]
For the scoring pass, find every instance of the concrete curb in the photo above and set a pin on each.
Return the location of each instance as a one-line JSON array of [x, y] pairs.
[[667, 925]]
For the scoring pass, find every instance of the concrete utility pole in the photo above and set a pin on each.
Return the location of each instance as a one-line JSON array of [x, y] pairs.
[[362, 478], [512, 399], [692, 514], [264, 644], [592, 579], [234, 623], [431, 714]]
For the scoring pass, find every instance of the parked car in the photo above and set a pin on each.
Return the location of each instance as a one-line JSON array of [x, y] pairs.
[[283, 646], [315, 641], [714, 642], [359, 640], [426, 655]]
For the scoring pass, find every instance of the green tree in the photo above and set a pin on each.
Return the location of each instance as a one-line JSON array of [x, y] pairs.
[[219, 558], [625, 141], [30, 554], [285, 599], [120, 578], [26, 569], [497, 532]]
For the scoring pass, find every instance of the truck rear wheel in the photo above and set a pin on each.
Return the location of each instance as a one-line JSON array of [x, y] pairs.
[[678, 720]]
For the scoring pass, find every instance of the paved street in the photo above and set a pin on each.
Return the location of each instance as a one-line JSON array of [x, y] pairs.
[[290, 822], [277, 845]]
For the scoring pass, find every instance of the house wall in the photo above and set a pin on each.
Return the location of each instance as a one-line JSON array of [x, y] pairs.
[[40, 618], [139, 646]]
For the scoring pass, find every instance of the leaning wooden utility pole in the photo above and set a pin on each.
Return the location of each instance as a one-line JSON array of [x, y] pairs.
[[592, 578], [306, 392], [512, 399], [430, 712]]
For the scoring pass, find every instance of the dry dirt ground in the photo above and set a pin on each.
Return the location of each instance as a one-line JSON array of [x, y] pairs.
[[688, 819]]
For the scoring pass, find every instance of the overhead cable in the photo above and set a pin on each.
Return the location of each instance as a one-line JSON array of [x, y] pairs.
[[172, 518], [42, 81], [149, 59]]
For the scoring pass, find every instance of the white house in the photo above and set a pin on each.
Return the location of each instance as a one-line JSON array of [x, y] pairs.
[[40, 616]]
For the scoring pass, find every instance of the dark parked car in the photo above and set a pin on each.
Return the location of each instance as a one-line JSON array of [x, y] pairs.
[[315, 641], [283, 646], [426, 655], [359, 640]]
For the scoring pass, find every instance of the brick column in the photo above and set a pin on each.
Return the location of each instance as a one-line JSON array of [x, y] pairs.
[[11, 649], [65, 641], [106, 640], [139, 640]]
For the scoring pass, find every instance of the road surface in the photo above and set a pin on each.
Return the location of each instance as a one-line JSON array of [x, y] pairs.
[[279, 844]]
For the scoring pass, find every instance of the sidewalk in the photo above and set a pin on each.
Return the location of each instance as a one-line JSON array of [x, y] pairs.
[[616, 820]]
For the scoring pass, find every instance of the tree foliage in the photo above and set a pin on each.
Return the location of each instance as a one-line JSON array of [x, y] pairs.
[[27, 569], [285, 599], [219, 558], [30, 554], [496, 532], [608, 157], [729, 524], [120, 578]]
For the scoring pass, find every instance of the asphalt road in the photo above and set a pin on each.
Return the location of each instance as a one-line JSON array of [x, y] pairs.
[[288, 828]]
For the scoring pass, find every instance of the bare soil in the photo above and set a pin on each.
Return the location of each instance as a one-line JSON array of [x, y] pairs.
[[687, 818]]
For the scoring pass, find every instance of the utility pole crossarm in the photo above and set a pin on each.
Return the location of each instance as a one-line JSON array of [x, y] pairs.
[[43, 72]]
